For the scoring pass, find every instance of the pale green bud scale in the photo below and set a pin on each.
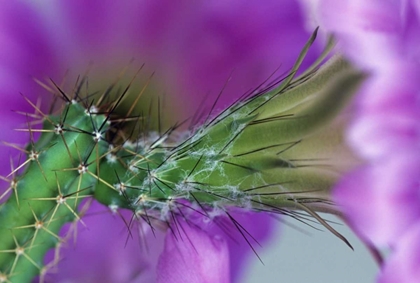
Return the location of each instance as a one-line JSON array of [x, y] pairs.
[[269, 152]]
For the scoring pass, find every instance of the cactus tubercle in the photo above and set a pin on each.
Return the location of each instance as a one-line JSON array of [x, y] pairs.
[[261, 154]]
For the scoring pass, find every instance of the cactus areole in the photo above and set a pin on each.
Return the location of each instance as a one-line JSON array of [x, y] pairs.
[[254, 155]]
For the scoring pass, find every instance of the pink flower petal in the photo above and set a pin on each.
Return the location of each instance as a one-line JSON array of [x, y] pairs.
[[371, 35], [104, 251], [193, 256], [403, 264], [382, 201]]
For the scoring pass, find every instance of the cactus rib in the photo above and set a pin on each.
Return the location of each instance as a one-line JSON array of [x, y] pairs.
[[266, 152]]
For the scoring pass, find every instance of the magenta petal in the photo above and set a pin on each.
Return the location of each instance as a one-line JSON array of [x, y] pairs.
[[26, 52], [193, 256], [369, 31], [105, 252], [209, 42], [382, 201], [382, 128], [403, 265], [259, 225]]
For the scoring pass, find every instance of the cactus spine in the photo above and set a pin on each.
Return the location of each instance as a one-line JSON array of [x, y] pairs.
[[59, 172], [247, 157]]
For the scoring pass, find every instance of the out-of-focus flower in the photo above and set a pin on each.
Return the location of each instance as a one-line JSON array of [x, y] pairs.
[[193, 47], [178, 254], [404, 263], [381, 199]]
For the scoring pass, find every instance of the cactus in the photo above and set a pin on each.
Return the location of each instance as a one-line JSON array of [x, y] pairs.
[[246, 157]]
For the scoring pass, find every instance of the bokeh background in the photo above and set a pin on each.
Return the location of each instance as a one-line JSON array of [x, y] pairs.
[[193, 47], [311, 256]]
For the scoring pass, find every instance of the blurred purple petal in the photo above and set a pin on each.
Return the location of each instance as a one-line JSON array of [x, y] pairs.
[[257, 227], [105, 251], [387, 117], [381, 201], [403, 265], [372, 35], [193, 256], [215, 41], [26, 51], [244, 233]]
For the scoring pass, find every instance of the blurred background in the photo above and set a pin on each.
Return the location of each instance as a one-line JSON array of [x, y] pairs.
[[312, 257], [193, 48]]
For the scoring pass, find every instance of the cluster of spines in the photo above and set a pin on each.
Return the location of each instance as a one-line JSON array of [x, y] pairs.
[[242, 158], [58, 173]]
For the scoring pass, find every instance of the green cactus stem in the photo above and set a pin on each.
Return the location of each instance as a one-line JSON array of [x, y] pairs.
[[270, 151], [59, 172]]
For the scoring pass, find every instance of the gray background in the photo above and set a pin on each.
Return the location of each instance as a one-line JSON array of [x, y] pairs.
[[320, 257]]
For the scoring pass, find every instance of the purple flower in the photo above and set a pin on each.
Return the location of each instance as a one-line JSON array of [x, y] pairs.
[[178, 255], [381, 199], [403, 266], [193, 47]]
